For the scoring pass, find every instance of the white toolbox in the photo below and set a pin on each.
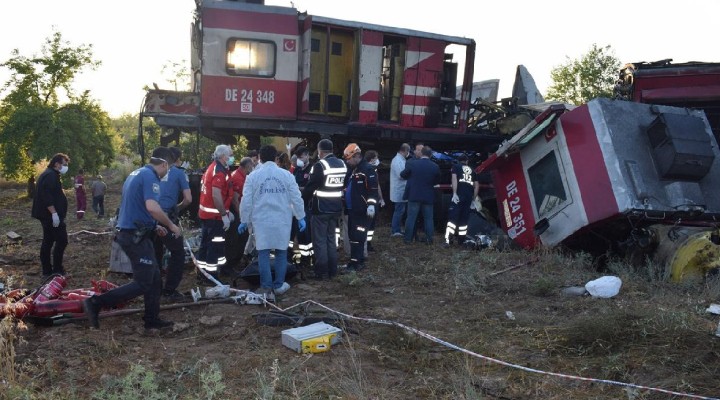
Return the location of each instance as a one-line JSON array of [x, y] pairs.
[[314, 338]]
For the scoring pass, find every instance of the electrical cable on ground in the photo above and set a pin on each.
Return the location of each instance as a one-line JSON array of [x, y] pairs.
[[466, 351], [495, 360], [89, 232]]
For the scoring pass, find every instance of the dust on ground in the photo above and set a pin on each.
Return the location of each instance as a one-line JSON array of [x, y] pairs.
[[653, 333]]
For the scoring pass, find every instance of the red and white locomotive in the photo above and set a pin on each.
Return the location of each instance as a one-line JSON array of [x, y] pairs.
[[261, 70]]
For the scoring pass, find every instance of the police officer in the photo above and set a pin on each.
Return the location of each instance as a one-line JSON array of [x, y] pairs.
[[172, 188], [139, 214], [463, 192], [302, 246], [215, 216], [361, 194], [324, 188]]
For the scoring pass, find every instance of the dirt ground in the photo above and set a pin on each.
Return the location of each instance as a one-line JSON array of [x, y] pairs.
[[515, 327]]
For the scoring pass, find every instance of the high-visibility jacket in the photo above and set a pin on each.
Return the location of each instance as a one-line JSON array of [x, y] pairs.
[[325, 186], [363, 187], [216, 176]]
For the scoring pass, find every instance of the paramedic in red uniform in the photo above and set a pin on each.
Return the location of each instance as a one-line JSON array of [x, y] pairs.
[[214, 212], [235, 244]]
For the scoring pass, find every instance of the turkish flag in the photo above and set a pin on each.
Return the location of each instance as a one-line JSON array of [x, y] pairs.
[[289, 45]]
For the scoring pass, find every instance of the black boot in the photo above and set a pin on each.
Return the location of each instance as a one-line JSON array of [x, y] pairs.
[[92, 311]]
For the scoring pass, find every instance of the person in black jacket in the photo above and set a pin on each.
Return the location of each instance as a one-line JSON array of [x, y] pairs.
[[50, 207], [361, 196], [422, 175], [324, 190], [302, 241]]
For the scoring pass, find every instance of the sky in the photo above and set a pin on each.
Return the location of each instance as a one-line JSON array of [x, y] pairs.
[[134, 39]]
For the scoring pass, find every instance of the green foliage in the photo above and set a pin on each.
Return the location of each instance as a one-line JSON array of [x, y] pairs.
[[211, 381], [196, 149], [139, 383], [126, 127], [34, 125], [177, 74], [581, 80]]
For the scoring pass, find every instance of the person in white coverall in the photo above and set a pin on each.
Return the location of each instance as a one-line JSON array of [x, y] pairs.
[[271, 198]]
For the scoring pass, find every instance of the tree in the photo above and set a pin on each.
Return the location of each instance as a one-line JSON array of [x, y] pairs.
[[581, 80], [34, 122], [177, 74]]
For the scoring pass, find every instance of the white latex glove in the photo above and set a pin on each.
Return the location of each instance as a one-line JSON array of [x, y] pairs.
[[231, 216], [382, 203], [226, 221], [288, 147], [473, 205], [56, 219], [455, 198], [371, 211]]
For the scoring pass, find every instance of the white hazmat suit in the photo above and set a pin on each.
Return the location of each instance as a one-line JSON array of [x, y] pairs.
[[271, 198]]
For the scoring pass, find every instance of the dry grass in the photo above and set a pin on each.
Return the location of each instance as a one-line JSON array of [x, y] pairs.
[[652, 333]]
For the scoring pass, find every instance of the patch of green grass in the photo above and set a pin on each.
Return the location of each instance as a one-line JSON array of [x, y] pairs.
[[543, 287], [138, 383]]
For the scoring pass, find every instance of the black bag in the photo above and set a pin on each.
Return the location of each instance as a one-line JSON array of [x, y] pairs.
[[251, 273]]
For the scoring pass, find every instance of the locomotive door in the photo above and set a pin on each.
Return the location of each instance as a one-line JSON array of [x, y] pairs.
[[332, 61], [391, 79]]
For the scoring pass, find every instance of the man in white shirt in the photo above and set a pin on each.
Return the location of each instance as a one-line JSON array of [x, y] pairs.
[[397, 189]]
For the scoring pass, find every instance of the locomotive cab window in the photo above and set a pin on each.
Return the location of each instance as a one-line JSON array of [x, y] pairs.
[[547, 185], [250, 58]]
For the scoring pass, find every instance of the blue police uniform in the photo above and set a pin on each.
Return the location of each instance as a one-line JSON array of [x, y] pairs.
[[171, 189], [324, 191], [459, 214], [170, 192], [142, 184], [361, 191], [134, 234]]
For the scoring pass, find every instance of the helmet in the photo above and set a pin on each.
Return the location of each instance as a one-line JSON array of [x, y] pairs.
[[351, 150]]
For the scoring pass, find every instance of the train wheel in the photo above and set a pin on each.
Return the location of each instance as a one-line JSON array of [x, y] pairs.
[[687, 252]]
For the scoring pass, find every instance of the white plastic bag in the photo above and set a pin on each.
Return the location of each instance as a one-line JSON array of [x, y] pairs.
[[604, 287]]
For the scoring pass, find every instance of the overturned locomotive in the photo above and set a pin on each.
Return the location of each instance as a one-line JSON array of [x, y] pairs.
[[614, 175]]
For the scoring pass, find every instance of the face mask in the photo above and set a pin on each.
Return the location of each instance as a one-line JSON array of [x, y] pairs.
[[375, 163], [166, 176], [63, 169], [300, 163], [231, 160]]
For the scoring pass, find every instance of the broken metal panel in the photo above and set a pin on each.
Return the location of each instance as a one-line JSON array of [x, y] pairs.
[[524, 88], [637, 183], [163, 102], [531, 130], [486, 90]]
